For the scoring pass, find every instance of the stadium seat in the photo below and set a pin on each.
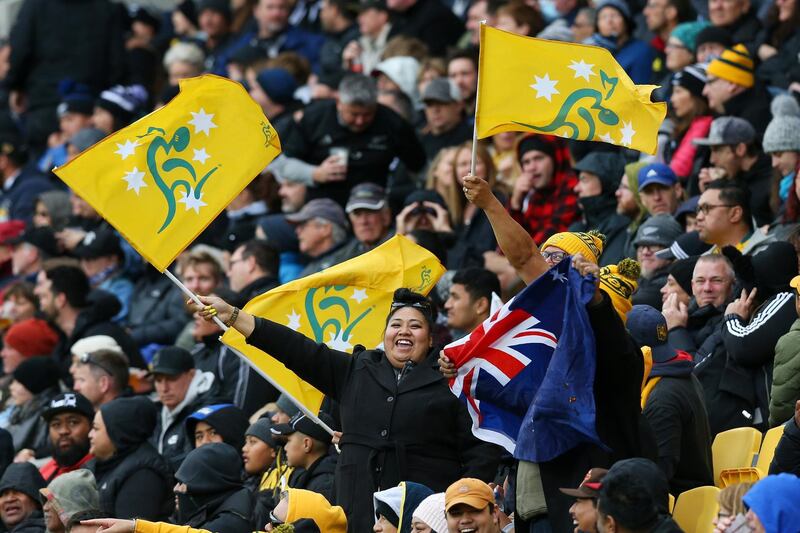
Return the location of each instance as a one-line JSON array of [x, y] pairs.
[[734, 448], [751, 474], [696, 509], [671, 503]]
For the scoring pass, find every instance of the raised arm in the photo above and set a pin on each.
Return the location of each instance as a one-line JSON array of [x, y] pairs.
[[517, 245]]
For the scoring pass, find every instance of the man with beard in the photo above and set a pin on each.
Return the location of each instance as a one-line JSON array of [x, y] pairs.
[[69, 420]]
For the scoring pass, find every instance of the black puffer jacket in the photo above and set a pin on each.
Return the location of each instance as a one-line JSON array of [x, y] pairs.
[[215, 498], [318, 477]]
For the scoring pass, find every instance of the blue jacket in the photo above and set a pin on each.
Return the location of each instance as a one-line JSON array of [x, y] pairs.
[[636, 57], [774, 502], [20, 200], [293, 39]]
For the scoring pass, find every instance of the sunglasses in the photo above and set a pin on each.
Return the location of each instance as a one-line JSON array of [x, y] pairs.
[[86, 359]]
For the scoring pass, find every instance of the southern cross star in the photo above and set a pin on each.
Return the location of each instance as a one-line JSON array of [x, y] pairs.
[[294, 320], [200, 155], [545, 87], [558, 276], [627, 132], [202, 121], [582, 69], [135, 180], [126, 149], [606, 137], [359, 295], [192, 202]]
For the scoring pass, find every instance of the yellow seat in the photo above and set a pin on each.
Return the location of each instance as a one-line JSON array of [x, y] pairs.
[[734, 448], [696, 509], [671, 503], [732, 476]]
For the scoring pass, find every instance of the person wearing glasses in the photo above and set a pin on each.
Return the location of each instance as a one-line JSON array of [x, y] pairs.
[[400, 422], [724, 219]]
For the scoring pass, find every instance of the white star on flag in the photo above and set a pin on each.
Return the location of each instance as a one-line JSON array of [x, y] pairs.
[[582, 69], [202, 121], [558, 276], [606, 137], [192, 202], [359, 295], [338, 343], [627, 132], [294, 320], [200, 155], [135, 180], [124, 150], [545, 87]]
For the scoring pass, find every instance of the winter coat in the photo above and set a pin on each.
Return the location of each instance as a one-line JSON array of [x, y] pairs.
[[19, 200], [758, 181], [431, 22], [318, 477], [636, 57], [618, 418], [169, 436], [95, 319], [787, 453], [157, 313], [291, 39], [751, 105], [34, 523], [648, 291], [27, 427], [777, 70], [785, 377], [386, 438], [210, 355], [136, 481], [330, 54], [215, 498], [684, 160], [613, 226], [746, 30]]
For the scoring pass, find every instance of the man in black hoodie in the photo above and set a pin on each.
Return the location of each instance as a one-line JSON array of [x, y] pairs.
[[307, 448], [132, 478], [673, 405], [20, 509], [65, 299], [210, 492]]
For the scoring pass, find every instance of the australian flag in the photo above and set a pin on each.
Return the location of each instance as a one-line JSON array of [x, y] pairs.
[[526, 373]]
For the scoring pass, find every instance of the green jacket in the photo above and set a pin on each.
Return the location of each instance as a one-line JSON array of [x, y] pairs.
[[785, 377]]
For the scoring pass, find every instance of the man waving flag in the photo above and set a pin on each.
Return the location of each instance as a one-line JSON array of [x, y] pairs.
[[565, 89]]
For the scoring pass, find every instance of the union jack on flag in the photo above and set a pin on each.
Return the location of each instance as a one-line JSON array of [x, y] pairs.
[[502, 363]]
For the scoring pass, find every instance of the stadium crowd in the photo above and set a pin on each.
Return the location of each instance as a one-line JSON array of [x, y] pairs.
[[121, 410]]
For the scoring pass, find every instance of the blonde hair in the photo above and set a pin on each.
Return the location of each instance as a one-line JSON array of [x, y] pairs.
[[485, 157], [730, 498]]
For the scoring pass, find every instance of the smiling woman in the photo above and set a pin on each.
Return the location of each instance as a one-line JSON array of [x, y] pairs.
[[400, 422]]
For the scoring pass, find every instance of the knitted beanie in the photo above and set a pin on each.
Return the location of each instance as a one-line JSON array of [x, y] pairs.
[[692, 78], [37, 374], [620, 281], [590, 244], [31, 337], [782, 134], [784, 104], [682, 270], [734, 65], [687, 32], [431, 511]]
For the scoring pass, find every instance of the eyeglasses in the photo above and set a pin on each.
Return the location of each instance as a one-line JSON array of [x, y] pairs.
[[273, 520], [86, 359], [556, 257], [706, 208]]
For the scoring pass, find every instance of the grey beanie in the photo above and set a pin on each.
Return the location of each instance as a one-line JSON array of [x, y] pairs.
[[286, 405], [782, 134], [659, 230], [784, 104]]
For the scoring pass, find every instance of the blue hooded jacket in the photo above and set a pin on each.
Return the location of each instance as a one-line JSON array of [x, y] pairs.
[[774, 501]]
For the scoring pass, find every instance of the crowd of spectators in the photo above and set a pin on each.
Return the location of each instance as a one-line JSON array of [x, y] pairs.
[[121, 409]]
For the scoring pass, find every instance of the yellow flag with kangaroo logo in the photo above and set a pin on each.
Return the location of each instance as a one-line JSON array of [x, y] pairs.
[[342, 306], [164, 178], [570, 90]]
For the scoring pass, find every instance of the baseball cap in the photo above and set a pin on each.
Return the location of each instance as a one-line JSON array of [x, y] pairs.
[[660, 230], [100, 243], [43, 238], [68, 402], [324, 208], [469, 491], [687, 245], [11, 229], [441, 90], [590, 486], [648, 327], [657, 173], [303, 424], [171, 361], [728, 130], [366, 196]]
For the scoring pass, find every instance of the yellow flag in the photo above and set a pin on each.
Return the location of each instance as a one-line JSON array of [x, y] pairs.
[[341, 306], [569, 90], [164, 178]]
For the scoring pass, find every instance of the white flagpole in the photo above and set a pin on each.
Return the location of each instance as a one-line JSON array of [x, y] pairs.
[[306, 411], [475, 116]]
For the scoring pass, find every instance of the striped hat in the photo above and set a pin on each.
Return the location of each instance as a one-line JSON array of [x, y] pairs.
[[734, 65]]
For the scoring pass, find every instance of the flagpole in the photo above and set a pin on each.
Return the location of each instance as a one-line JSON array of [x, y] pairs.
[[475, 115], [255, 367]]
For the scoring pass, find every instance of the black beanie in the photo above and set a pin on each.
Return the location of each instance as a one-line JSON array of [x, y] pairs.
[[260, 429], [713, 34], [774, 268], [534, 142], [682, 270], [37, 374], [382, 509]]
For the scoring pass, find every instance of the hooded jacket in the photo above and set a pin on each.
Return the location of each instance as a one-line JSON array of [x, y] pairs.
[[785, 377], [136, 481], [169, 435], [774, 501], [401, 501], [304, 504], [25, 478], [215, 498]]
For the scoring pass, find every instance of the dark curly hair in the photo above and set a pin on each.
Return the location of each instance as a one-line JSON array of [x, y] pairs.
[[408, 298]]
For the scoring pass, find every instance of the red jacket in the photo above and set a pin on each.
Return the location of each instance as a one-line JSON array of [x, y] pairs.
[[51, 470]]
